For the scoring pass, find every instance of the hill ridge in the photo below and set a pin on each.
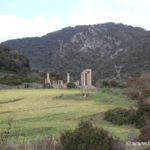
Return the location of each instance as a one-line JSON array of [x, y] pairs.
[[100, 47]]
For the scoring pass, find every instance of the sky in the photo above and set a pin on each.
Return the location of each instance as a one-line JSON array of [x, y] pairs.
[[30, 18]]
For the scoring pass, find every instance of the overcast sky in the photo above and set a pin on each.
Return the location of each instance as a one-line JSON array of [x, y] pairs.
[[29, 18]]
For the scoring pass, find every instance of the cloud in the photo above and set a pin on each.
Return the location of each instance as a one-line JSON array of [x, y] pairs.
[[16, 27], [130, 12]]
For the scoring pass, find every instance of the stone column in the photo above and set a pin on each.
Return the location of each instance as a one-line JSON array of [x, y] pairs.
[[48, 79], [68, 77], [83, 79], [90, 78]]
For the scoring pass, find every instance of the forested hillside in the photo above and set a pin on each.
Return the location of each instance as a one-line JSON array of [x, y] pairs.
[[106, 48], [12, 61], [15, 68]]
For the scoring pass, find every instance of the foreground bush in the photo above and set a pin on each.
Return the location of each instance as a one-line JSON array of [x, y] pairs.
[[44, 144], [142, 113], [139, 88], [145, 134], [87, 137], [120, 116]]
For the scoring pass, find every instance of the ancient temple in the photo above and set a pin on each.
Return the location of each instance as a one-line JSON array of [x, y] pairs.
[[86, 78]]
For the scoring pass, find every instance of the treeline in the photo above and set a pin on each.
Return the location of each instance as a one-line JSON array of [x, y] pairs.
[[12, 61], [15, 68]]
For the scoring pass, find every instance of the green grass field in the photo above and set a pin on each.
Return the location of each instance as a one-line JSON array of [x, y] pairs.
[[36, 113]]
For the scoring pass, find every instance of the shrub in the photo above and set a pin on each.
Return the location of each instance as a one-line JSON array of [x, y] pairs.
[[111, 83], [145, 134], [142, 114], [134, 94], [105, 83], [123, 85], [146, 93], [87, 137], [120, 116], [4, 137], [45, 144], [114, 83], [71, 85], [140, 86]]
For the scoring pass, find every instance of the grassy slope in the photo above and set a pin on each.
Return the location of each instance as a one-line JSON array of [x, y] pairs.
[[37, 112]]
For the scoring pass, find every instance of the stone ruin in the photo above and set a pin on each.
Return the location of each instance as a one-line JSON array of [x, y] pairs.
[[68, 77], [84, 82], [55, 83], [86, 78]]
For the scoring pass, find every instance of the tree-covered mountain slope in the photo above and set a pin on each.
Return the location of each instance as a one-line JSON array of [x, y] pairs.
[[106, 48]]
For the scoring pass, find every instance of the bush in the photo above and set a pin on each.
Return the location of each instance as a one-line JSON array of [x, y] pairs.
[[105, 83], [142, 114], [134, 94], [145, 134], [146, 93], [71, 85], [140, 87], [87, 137], [114, 83], [45, 144], [111, 83], [120, 116]]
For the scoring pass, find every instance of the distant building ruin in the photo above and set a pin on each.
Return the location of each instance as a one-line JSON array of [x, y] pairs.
[[86, 78], [58, 84], [85, 82], [77, 83], [47, 82]]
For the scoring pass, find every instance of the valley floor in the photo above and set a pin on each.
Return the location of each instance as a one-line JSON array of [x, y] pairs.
[[37, 113]]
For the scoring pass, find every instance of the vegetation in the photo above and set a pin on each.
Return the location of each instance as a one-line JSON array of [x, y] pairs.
[[12, 61], [139, 88], [110, 84], [120, 116], [108, 45], [19, 78], [145, 133], [142, 114], [71, 85], [15, 68], [87, 137]]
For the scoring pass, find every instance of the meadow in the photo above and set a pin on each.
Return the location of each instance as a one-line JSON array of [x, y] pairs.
[[38, 113]]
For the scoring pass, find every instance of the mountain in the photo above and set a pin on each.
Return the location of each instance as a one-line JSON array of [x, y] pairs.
[[109, 49]]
